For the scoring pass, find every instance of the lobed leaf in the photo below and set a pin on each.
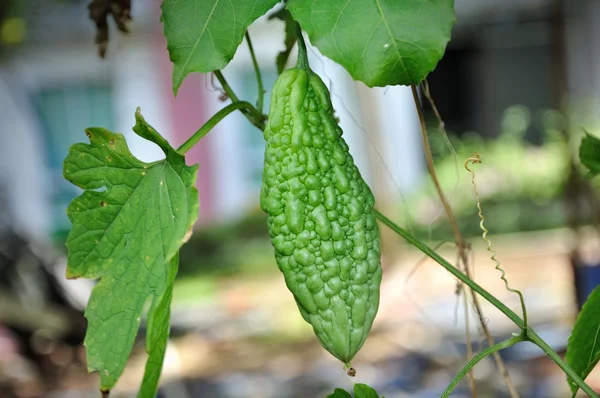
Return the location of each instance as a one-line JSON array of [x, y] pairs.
[[128, 226], [583, 348], [203, 35], [379, 42]]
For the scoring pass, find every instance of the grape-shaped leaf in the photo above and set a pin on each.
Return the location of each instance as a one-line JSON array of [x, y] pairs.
[[583, 348], [203, 35], [379, 42], [128, 226]]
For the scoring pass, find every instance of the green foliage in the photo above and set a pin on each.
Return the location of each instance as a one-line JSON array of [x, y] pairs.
[[583, 348], [203, 35], [321, 219], [381, 42], [589, 153], [128, 235], [360, 391], [521, 184]]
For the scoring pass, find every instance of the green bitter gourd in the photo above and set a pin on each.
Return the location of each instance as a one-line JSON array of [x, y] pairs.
[[320, 214]]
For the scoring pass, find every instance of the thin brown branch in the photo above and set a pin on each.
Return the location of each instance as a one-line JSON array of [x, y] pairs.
[[457, 235]]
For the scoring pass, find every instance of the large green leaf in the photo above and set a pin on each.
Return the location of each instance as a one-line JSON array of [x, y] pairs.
[[380, 42], [203, 35], [583, 348], [128, 226], [589, 153]]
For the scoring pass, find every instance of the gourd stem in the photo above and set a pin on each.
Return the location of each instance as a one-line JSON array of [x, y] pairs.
[[212, 122], [528, 334], [488, 351], [259, 82], [226, 87], [255, 117], [302, 53]]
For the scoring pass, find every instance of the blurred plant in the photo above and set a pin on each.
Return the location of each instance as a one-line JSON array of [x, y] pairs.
[[13, 28], [225, 249], [520, 183]]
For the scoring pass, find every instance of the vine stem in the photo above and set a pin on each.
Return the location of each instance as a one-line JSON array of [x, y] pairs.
[[259, 82], [529, 336], [476, 158], [226, 87], [212, 122], [254, 116], [469, 366], [457, 235]]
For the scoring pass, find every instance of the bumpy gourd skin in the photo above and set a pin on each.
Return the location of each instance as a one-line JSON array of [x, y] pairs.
[[320, 215]]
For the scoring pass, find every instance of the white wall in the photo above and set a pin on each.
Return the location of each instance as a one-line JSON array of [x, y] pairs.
[[21, 166], [134, 80]]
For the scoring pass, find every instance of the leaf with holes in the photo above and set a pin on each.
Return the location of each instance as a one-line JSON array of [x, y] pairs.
[[128, 226], [583, 348], [379, 42], [203, 35], [589, 153]]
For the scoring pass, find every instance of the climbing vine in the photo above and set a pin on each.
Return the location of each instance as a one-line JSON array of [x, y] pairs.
[[133, 217]]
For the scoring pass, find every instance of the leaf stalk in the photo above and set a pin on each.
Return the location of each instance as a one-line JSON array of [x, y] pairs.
[[255, 117], [475, 360], [259, 81], [212, 122]]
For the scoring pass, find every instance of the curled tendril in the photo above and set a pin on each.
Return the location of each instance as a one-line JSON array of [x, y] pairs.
[[476, 159]]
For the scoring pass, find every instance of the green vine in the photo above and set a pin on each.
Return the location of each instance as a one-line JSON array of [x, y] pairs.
[[476, 158]]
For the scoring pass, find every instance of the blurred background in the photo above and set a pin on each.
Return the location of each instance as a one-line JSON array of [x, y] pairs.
[[518, 84]]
